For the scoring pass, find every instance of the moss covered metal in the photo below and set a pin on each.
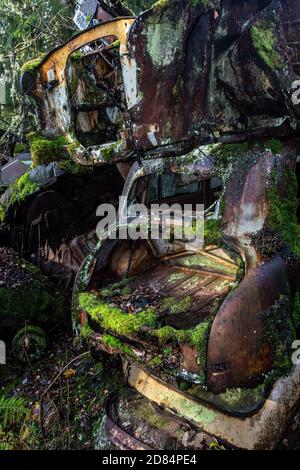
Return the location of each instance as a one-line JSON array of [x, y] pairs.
[[114, 319]]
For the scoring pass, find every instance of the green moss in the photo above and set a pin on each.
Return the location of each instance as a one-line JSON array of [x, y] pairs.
[[118, 288], [31, 302], [156, 361], [160, 5], [276, 146], [174, 305], [116, 343], [33, 64], [213, 232], [108, 151], [113, 318], [282, 216], [73, 146], [199, 339], [21, 189], [196, 337], [240, 274], [75, 57], [44, 150], [279, 332], [2, 213], [175, 277], [264, 40], [75, 168], [86, 332], [168, 334], [19, 148], [150, 416]]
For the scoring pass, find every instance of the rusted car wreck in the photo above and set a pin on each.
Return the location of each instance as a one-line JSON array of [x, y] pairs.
[[202, 88]]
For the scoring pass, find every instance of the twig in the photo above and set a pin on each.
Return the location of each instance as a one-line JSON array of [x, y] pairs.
[[53, 381]]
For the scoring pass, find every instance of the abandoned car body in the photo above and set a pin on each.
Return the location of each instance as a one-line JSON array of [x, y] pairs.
[[204, 85]]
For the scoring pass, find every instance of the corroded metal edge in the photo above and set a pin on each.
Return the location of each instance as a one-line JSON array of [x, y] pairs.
[[261, 431]]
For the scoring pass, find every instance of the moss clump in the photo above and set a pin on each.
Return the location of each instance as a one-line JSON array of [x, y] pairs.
[[2, 213], [116, 343], [31, 302], [175, 277], [279, 332], [113, 318], [276, 146], [213, 232], [282, 216], [33, 64], [160, 5], [74, 168], [196, 337], [168, 334], [19, 148], [75, 57], [268, 242], [25, 294], [156, 361], [199, 339], [108, 152], [118, 288], [175, 306], [45, 151], [72, 147], [21, 189], [265, 42], [86, 332]]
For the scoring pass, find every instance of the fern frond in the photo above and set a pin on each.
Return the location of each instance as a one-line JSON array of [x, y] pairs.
[[13, 411]]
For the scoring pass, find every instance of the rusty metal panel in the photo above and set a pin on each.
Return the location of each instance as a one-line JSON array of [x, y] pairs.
[[201, 75], [261, 431]]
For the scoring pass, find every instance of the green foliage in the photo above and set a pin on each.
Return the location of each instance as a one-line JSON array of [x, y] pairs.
[[19, 148], [28, 303], [45, 151], [32, 64], [2, 213], [108, 151], [282, 210], [75, 168], [29, 344], [199, 339], [116, 343], [27, 30], [174, 305], [161, 4], [32, 302], [196, 337], [114, 319], [275, 145], [21, 189], [279, 332], [264, 40], [86, 332], [13, 412], [156, 361], [213, 232]]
